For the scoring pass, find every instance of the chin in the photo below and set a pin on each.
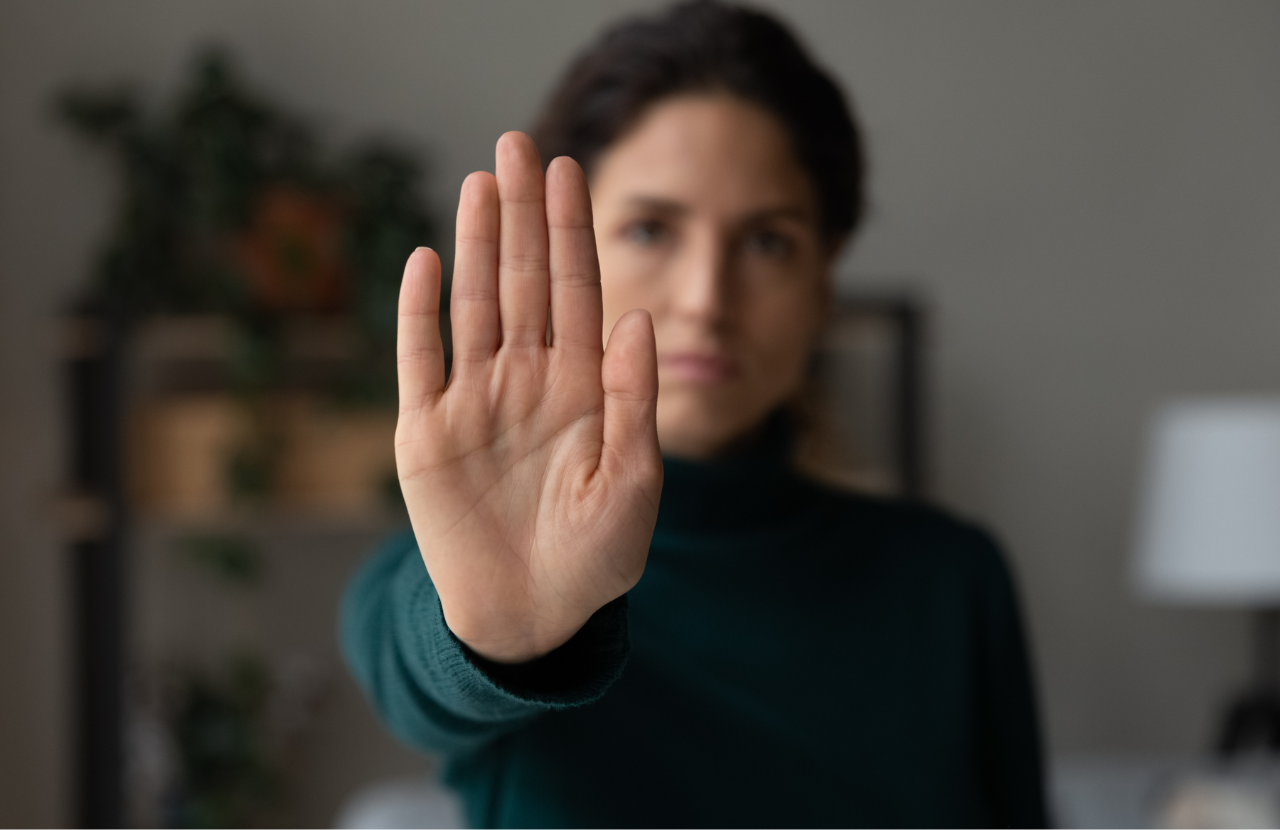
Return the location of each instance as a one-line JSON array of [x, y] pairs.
[[699, 426]]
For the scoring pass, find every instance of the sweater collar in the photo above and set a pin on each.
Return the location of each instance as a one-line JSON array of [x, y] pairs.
[[750, 487]]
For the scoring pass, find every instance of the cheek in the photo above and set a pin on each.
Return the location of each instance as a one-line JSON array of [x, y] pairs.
[[626, 282], [783, 326]]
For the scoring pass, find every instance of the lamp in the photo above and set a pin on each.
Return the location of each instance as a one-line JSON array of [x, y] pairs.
[[1209, 535]]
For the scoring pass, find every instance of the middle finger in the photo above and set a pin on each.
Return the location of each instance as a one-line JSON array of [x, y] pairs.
[[523, 288]]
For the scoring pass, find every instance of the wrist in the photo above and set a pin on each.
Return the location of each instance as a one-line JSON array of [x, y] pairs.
[[512, 649], [578, 671], [510, 654]]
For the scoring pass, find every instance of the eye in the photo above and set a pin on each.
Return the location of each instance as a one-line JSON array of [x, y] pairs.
[[647, 232], [770, 244]]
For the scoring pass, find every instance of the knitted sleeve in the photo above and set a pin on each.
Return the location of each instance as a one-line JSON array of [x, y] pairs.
[[435, 693]]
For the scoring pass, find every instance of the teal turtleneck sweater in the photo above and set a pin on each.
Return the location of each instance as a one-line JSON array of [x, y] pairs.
[[793, 656]]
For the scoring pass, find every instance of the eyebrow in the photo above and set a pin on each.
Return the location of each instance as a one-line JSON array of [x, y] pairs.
[[658, 204], [671, 207]]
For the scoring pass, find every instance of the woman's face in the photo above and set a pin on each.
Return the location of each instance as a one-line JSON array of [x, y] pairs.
[[704, 217]]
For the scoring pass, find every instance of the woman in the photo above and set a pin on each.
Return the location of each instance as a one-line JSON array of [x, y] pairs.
[[619, 604]]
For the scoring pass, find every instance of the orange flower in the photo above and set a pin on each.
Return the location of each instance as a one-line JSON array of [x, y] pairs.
[[292, 253]]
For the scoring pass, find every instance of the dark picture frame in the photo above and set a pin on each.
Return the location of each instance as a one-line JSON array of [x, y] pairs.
[[863, 414]]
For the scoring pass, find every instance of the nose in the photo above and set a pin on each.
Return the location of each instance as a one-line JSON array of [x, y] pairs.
[[703, 290]]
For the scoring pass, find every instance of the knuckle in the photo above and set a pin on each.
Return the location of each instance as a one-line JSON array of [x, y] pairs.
[[475, 353], [575, 277], [523, 197], [573, 222], [416, 355], [532, 262], [465, 293]]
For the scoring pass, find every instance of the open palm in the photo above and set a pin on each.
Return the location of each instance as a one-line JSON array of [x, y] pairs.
[[532, 476]]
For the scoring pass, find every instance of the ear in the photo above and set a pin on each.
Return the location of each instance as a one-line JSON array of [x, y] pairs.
[[833, 248], [827, 283]]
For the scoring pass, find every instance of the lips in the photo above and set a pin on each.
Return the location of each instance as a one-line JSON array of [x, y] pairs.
[[697, 368]]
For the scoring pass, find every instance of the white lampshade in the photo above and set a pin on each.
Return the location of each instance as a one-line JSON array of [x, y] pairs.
[[1209, 523]]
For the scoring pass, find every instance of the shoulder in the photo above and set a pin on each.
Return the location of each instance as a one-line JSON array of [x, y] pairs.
[[912, 534], [928, 559]]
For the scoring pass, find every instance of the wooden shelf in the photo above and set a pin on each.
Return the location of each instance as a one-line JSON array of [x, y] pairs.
[[272, 520], [83, 517]]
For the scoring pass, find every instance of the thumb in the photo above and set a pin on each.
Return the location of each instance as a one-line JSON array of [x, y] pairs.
[[629, 375]]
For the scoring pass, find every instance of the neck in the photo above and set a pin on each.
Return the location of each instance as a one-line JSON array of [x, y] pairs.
[[754, 483], [695, 451]]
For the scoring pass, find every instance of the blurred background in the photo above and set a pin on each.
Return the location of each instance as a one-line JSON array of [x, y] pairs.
[[1082, 200]]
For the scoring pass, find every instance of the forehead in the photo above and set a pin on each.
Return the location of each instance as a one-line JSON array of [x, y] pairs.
[[712, 152]]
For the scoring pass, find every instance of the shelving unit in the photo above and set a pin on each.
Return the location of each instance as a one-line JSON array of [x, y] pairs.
[[95, 515], [134, 602]]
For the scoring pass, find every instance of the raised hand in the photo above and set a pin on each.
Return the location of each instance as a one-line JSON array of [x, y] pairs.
[[532, 476]]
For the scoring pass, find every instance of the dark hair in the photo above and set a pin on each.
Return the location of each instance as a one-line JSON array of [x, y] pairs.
[[708, 46]]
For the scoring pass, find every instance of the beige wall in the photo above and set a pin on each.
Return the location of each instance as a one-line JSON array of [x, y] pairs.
[[1089, 194]]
